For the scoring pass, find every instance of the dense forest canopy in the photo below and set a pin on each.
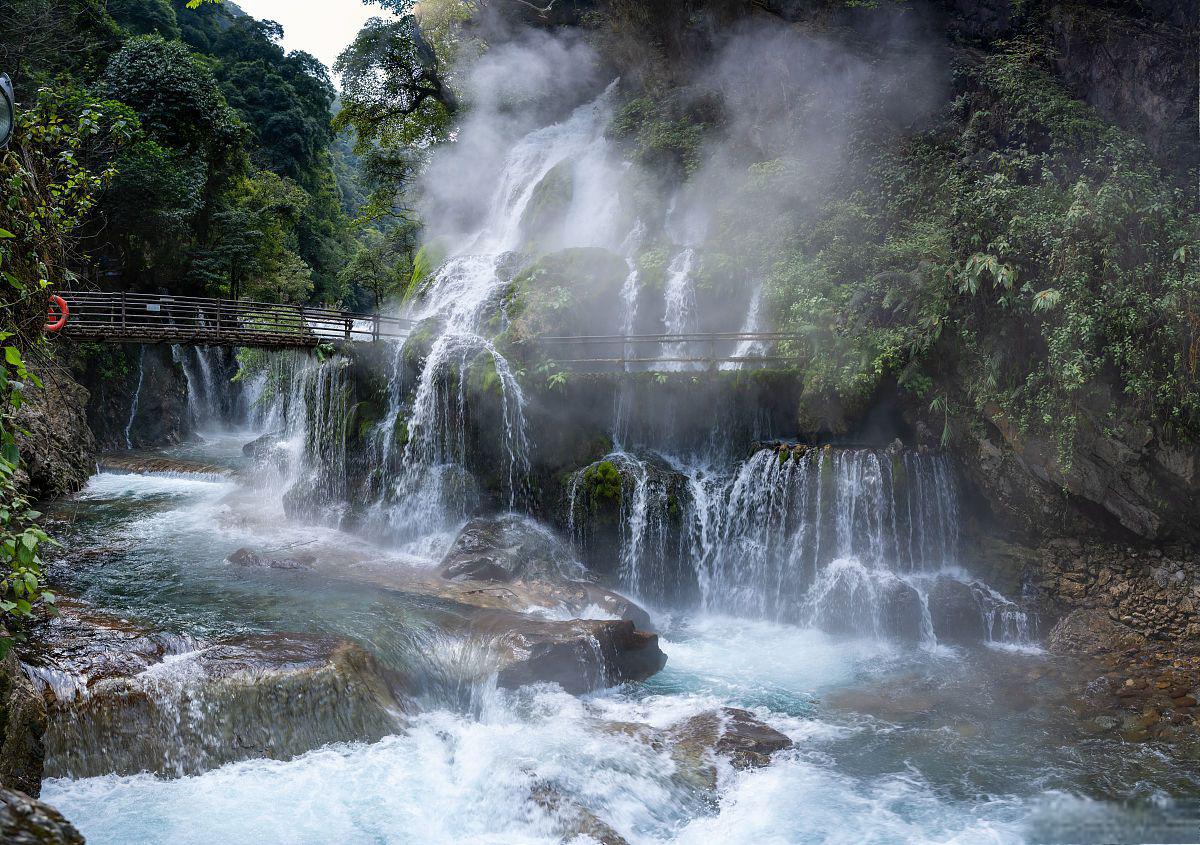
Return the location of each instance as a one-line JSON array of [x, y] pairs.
[[225, 176]]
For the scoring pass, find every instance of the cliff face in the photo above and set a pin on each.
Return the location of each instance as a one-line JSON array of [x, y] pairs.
[[138, 397], [58, 451]]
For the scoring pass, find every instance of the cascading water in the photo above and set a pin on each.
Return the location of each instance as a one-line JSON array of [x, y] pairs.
[[752, 325], [434, 489], [309, 416], [679, 316], [212, 402], [851, 540], [137, 398]]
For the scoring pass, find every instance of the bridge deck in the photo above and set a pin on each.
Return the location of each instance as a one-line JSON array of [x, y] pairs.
[[201, 321]]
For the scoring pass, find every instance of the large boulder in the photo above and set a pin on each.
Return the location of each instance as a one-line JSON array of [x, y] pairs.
[[729, 733], [27, 821], [507, 547], [851, 599], [580, 655], [123, 700]]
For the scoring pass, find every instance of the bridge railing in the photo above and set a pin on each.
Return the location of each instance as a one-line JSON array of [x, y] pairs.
[[695, 350], [159, 318]]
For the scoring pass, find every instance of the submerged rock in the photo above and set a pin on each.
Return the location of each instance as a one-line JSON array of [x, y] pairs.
[[730, 733], [159, 465], [251, 558], [572, 819], [27, 821]]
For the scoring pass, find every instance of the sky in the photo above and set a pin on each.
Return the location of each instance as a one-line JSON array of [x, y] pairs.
[[321, 27]]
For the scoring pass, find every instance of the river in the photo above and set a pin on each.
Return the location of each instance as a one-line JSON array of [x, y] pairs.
[[894, 742]]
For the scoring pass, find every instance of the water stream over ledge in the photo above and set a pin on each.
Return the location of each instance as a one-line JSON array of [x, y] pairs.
[[893, 742]]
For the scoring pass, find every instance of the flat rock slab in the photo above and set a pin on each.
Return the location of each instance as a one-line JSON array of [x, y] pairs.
[[157, 708], [159, 465]]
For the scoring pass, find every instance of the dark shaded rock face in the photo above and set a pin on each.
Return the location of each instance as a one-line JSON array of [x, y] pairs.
[[581, 655], [1122, 473], [955, 613], [58, 451], [27, 821], [142, 389], [22, 726]]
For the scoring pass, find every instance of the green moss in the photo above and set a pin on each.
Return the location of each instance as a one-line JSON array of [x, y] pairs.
[[602, 481]]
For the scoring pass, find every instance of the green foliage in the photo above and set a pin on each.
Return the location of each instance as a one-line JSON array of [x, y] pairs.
[[1025, 248], [48, 193], [664, 135]]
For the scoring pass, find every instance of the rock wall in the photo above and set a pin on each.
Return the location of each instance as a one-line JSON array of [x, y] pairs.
[[1151, 593], [22, 726], [58, 451], [138, 397]]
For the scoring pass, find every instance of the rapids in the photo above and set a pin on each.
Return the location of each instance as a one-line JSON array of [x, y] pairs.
[[893, 743]]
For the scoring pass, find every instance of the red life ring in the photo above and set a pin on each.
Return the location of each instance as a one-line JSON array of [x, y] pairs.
[[54, 323]]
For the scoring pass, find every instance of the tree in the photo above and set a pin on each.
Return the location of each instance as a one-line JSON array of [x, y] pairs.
[[176, 97]]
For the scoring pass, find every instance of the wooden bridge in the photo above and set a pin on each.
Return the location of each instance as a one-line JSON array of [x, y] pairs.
[[695, 351], [201, 321]]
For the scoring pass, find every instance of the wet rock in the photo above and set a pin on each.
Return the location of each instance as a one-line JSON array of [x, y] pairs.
[[81, 647], [123, 700], [901, 611], [580, 655], [157, 464], [22, 726], [506, 547], [730, 733], [1091, 631], [58, 450], [572, 819], [251, 558], [262, 447], [955, 613], [27, 821]]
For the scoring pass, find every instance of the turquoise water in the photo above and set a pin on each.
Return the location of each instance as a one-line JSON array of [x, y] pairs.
[[892, 744]]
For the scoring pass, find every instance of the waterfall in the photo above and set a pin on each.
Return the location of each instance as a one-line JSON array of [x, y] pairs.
[[137, 398], [639, 502], [434, 488], [861, 541], [309, 413], [680, 301], [752, 324]]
